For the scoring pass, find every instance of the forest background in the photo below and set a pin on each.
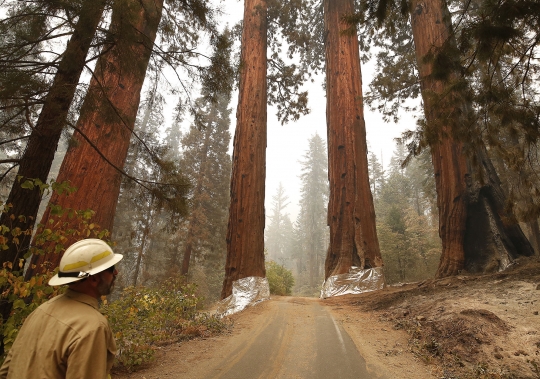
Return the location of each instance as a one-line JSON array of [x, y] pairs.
[[293, 150], [169, 215]]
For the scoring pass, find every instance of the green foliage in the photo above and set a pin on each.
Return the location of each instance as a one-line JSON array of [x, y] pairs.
[[410, 254], [279, 278], [142, 318], [406, 219], [311, 230], [24, 295]]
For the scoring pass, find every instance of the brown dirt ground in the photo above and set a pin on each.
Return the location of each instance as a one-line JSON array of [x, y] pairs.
[[468, 326]]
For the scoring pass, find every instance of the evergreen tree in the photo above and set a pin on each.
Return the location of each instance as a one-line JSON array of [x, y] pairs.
[[408, 238], [311, 223], [93, 163], [276, 241], [376, 176], [447, 63], [140, 218], [207, 164]]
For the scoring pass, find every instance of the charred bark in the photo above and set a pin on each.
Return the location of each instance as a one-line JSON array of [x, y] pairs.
[[39, 153], [107, 119], [245, 233], [534, 235], [493, 237], [351, 214]]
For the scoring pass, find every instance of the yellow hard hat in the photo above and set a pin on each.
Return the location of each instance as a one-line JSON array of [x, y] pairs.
[[84, 258]]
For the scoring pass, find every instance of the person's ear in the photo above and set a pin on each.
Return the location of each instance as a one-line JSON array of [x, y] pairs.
[[94, 279]]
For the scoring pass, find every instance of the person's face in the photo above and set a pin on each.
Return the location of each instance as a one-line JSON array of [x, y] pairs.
[[106, 281]]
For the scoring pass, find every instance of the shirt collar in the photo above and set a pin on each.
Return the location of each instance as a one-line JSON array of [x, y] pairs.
[[82, 298]]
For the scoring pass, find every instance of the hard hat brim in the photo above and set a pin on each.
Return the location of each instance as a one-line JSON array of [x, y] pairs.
[[57, 281]]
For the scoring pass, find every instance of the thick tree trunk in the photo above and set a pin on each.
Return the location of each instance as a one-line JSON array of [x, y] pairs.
[[475, 232], [39, 154], [245, 234], [351, 215], [107, 118]]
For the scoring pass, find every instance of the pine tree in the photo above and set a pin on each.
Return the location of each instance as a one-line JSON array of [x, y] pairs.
[[312, 230], [140, 218], [376, 176], [207, 164], [276, 240], [408, 238]]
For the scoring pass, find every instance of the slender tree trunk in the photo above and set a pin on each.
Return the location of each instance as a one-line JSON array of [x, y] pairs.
[[351, 215], [245, 234], [311, 263], [140, 256], [107, 118], [475, 231], [39, 153]]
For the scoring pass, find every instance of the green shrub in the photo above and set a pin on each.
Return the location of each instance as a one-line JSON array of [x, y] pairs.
[[24, 296], [279, 278], [144, 318]]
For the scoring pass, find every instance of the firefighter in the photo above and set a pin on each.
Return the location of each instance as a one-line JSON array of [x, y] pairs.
[[67, 337]]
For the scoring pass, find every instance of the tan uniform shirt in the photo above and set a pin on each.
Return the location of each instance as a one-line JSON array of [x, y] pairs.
[[66, 337]]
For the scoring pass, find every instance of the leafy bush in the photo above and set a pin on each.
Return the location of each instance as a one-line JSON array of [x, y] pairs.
[[24, 296], [279, 278], [143, 318]]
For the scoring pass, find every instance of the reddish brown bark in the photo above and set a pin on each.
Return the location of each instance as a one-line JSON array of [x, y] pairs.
[[476, 231], [245, 234], [39, 154], [107, 118], [351, 215], [431, 28]]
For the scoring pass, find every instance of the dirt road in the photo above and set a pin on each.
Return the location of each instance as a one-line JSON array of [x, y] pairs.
[[286, 337], [468, 326], [297, 338]]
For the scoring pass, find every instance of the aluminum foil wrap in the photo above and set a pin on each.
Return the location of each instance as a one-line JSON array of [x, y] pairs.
[[245, 292], [355, 282]]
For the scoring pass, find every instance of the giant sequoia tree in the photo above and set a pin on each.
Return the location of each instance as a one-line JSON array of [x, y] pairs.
[[351, 215], [478, 232], [245, 235], [93, 164]]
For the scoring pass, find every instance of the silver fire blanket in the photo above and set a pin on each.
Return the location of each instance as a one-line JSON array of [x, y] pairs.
[[245, 292], [355, 282]]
